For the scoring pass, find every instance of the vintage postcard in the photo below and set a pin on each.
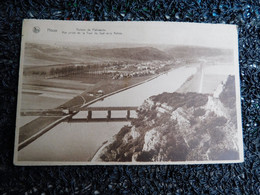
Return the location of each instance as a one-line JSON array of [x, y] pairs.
[[109, 93]]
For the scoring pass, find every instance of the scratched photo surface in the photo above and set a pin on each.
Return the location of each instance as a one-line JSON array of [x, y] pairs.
[[128, 93]]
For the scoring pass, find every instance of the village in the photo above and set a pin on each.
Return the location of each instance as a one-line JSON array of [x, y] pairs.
[[114, 70], [108, 70], [123, 70], [138, 69]]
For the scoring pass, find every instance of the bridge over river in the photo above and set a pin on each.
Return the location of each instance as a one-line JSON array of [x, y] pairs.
[[72, 111], [108, 118], [66, 115], [74, 129]]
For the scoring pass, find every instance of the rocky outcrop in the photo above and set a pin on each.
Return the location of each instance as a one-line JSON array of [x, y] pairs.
[[180, 127]]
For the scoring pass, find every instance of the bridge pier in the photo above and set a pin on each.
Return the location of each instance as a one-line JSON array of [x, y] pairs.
[[109, 114], [89, 115], [128, 114]]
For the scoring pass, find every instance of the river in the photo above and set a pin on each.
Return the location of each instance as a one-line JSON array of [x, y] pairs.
[[80, 141]]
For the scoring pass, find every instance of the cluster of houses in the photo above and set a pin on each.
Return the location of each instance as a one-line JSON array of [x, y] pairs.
[[130, 70], [142, 69], [133, 74]]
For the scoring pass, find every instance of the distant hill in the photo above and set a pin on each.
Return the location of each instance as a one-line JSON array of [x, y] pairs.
[[195, 52], [44, 54], [138, 53]]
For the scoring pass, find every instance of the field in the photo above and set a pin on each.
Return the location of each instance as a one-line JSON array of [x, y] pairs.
[[64, 92], [50, 93], [66, 76]]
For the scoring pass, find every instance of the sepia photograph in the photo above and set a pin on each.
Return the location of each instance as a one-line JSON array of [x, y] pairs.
[[108, 93]]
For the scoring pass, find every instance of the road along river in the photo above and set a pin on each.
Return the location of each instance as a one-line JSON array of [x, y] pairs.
[[80, 141]]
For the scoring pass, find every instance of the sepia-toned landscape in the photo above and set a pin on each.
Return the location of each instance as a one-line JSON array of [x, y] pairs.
[[127, 103]]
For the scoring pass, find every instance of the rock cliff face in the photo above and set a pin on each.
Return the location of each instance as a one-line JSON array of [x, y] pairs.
[[180, 127]]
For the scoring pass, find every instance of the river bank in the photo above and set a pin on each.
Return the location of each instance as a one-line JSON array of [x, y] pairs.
[[80, 141], [84, 99]]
